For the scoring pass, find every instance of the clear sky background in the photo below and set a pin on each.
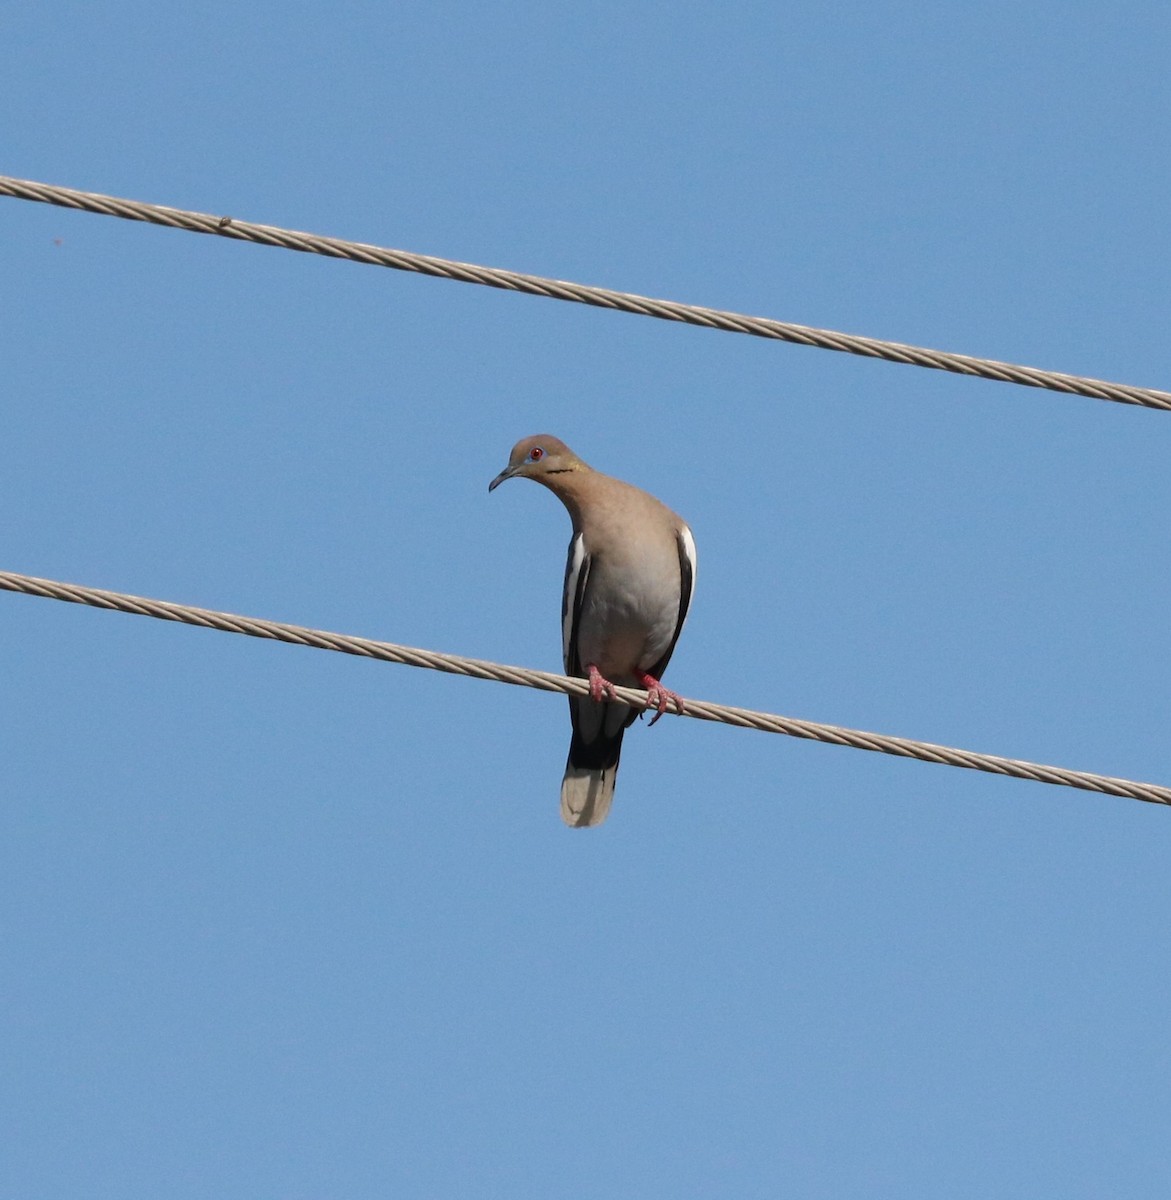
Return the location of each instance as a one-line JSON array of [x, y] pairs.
[[283, 924]]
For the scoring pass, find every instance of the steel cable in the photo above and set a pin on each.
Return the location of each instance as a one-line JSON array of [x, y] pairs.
[[456, 664], [557, 289]]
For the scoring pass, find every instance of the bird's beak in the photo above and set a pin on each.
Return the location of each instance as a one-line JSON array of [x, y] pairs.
[[507, 473]]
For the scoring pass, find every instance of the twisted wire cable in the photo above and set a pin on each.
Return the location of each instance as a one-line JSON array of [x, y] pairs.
[[557, 289], [457, 664]]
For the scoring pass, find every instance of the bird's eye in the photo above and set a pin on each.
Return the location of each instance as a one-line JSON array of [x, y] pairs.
[[536, 454]]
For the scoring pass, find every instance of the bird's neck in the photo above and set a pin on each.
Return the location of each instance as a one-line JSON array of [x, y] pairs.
[[569, 486]]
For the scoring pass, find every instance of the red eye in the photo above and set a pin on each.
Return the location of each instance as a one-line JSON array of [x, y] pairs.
[[536, 454]]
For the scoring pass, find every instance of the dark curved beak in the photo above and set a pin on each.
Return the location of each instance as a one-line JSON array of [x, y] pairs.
[[507, 473]]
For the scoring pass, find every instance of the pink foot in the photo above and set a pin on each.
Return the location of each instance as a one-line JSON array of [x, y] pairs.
[[600, 687], [658, 696]]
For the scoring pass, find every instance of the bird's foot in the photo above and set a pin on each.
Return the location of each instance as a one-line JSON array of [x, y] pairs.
[[658, 697], [600, 687]]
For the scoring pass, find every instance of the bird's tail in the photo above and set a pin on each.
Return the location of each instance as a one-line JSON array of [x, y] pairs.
[[588, 786]]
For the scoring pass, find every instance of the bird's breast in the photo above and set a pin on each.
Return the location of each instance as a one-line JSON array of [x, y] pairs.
[[628, 616]]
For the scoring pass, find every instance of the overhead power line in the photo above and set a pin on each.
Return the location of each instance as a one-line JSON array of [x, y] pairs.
[[538, 285], [456, 664]]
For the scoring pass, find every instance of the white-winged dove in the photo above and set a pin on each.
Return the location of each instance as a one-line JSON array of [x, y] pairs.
[[628, 585]]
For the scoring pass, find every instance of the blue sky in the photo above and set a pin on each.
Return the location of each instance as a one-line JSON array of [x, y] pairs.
[[277, 923]]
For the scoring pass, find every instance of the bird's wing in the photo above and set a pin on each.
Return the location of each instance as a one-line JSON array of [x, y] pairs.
[[577, 573], [594, 725], [687, 570]]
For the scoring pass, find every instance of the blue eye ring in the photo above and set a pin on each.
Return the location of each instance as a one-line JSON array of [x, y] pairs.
[[535, 454]]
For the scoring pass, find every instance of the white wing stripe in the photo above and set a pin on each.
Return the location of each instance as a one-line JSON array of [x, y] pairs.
[[688, 544], [573, 569]]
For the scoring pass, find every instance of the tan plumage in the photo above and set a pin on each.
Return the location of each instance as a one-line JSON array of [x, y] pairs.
[[628, 584]]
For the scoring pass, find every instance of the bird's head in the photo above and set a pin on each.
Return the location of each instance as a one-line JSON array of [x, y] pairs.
[[539, 457]]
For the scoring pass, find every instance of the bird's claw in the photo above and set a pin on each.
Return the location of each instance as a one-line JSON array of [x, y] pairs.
[[600, 687], [658, 697]]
